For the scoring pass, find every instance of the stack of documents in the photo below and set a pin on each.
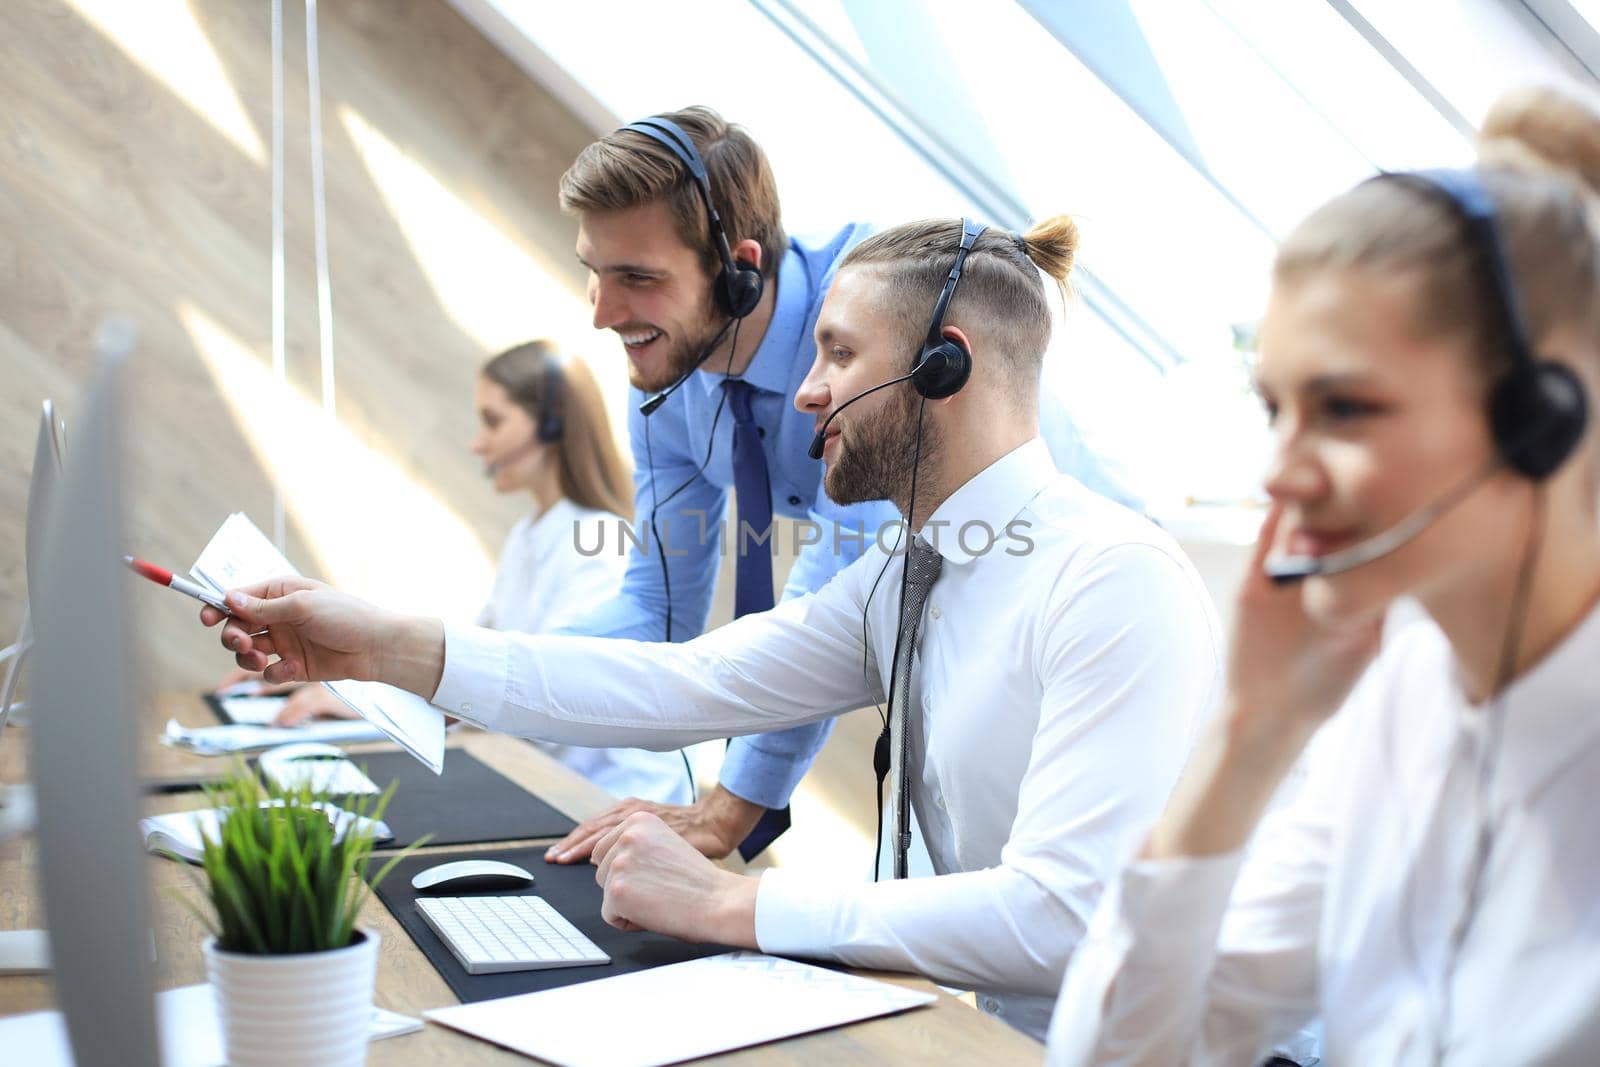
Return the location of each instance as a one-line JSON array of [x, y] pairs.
[[240, 554], [235, 737]]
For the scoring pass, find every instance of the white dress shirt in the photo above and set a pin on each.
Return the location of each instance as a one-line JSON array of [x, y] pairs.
[[1060, 688], [1345, 902], [545, 583]]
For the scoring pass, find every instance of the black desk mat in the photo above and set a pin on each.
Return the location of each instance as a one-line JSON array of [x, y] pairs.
[[570, 889], [469, 803]]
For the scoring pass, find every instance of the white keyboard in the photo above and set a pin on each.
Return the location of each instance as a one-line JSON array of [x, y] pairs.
[[492, 934]]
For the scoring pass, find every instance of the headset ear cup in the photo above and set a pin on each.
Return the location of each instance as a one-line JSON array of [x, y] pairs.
[[1538, 414], [739, 290], [941, 370], [551, 423]]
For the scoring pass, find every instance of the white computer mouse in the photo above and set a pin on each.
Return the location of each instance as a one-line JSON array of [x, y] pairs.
[[471, 876]]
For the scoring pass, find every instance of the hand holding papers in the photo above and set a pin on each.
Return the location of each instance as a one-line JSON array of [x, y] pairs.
[[239, 554]]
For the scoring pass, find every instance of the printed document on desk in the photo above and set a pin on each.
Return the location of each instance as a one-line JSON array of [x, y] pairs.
[[223, 740], [239, 554], [184, 833], [679, 1012]]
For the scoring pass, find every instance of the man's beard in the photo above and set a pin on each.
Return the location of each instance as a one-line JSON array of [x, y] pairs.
[[877, 453], [681, 359]]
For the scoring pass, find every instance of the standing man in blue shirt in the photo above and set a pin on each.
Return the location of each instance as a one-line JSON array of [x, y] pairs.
[[680, 229]]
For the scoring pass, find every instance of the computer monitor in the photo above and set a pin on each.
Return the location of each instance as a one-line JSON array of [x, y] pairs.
[[85, 697], [41, 491]]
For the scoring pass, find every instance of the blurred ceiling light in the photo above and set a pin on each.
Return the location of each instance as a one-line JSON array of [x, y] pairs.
[[165, 39], [374, 531]]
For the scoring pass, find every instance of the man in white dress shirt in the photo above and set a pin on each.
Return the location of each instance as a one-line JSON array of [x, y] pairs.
[[1067, 652]]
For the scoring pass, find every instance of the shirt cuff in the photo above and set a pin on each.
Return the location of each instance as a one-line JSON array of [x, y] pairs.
[[795, 915], [765, 769], [476, 675]]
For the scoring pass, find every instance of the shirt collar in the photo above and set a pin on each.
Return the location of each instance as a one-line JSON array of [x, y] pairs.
[[992, 497], [1551, 714], [773, 362]]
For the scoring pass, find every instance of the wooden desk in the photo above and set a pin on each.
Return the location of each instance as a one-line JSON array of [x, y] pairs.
[[946, 1032]]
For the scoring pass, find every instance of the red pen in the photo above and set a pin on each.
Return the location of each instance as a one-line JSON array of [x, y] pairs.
[[162, 576]]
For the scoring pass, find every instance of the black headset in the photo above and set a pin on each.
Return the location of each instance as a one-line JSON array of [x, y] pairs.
[[737, 288], [943, 365], [1538, 411], [552, 423]]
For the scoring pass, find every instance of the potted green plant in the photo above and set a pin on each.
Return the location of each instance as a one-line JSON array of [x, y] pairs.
[[292, 974]]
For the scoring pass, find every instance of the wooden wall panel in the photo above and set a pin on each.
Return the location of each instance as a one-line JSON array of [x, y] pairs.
[[116, 194]]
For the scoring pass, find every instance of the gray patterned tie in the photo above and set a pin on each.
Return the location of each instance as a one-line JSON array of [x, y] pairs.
[[922, 570]]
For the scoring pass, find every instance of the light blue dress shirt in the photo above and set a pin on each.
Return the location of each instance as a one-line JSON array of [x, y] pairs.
[[669, 448]]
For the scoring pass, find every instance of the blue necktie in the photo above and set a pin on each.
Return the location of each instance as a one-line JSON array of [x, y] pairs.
[[752, 589]]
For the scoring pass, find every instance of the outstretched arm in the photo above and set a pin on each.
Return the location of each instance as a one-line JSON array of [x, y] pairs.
[[764, 672]]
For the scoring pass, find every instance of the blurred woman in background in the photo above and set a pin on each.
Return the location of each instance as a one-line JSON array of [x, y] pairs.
[[543, 430]]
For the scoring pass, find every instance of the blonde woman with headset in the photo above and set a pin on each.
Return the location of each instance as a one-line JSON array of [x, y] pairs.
[[1433, 892]]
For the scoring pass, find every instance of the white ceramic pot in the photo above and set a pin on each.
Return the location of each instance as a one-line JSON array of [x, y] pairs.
[[312, 1009]]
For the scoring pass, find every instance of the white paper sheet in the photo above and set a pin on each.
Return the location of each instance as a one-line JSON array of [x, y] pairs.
[[191, 1035], [310, 766], [405, 717], [679, 1012], [239, 554]]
